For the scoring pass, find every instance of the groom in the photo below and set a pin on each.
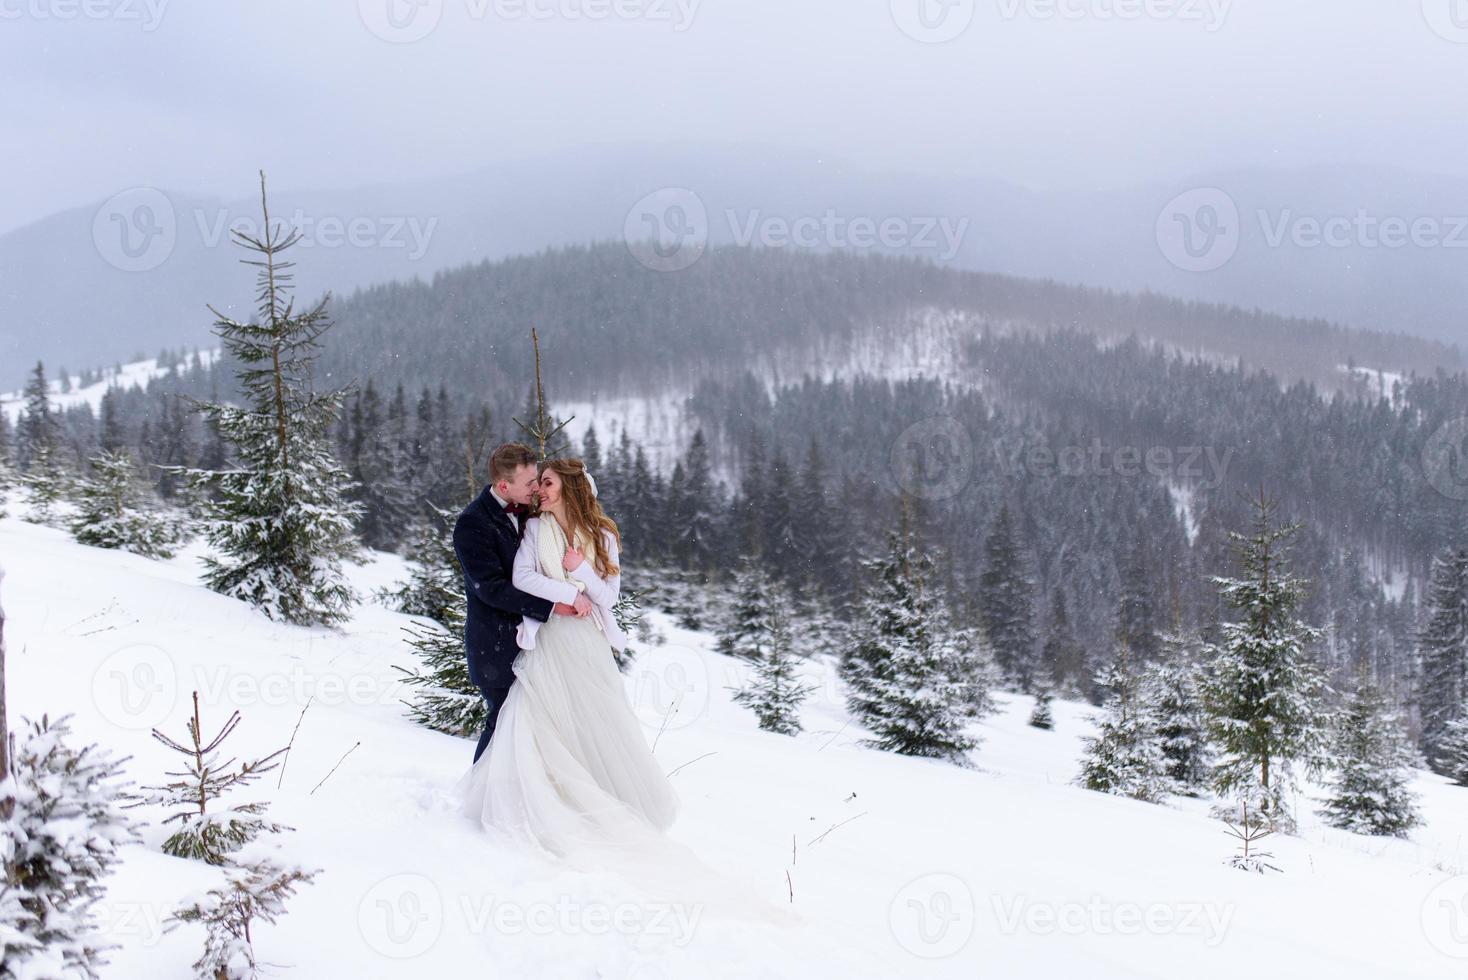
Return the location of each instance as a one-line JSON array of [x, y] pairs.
[[486, 537]]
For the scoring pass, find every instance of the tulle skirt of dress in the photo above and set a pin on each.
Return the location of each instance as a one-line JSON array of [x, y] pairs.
[[569, 769], [569, 772]]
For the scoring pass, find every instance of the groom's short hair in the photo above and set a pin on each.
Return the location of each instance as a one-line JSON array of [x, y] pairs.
[[508, 458]]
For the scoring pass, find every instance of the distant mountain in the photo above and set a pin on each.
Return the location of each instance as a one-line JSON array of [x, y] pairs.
[[618, 328], [132, 274]]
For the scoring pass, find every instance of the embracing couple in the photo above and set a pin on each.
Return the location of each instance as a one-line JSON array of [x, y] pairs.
[[563, 760]]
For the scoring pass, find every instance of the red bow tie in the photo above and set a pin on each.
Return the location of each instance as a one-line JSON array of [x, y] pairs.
[[516, 508]]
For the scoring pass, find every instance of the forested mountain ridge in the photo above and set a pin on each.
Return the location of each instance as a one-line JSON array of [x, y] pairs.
[[736, 307], [1100, 467]]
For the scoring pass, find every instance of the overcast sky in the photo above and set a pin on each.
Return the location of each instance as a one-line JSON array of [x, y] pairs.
[[101, 95]]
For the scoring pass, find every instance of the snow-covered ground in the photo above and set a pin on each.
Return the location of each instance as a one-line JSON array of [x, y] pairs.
[[1004, 871], [1379, 383], [132, 375]]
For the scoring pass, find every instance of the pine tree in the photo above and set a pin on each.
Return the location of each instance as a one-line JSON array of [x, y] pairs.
[[209, 831], [1443, 650], [743, 630], [435, 585], [112, 438], [1370, 767], [38, 451], [38, 428], [444, 698], [113, 511], [1263, 694], [818, 541], [1136, 615], [47, 484], [280, 522], [910, 679], [58, 840], [1452, 757], [692, 508], [1007, 603], [775, 693], [372, 460], [1171, 688], [1041, 716], [1062, 655], [7, 475], [253, 893], [1125, 756]]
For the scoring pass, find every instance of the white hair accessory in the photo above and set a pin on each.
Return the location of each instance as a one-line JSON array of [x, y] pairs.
[[590, 482]]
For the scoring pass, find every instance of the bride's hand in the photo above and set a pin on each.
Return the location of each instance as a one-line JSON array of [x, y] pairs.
[[572, 559]]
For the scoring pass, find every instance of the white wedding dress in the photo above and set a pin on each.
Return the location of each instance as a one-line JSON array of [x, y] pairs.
[[569, 773], [568, 769]]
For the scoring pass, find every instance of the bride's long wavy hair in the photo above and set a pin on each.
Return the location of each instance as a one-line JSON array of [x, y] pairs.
[[583, 512]]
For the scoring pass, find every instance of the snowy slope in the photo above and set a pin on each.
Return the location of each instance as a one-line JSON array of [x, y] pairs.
[[132, 375], [1006, 871]]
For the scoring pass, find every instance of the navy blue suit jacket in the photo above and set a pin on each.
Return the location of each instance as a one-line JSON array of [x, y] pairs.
[[485, 540]]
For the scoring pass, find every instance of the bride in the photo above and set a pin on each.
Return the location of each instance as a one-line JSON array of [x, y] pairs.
[[568, 768]]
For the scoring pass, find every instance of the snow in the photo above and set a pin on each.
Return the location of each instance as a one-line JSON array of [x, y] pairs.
[[1182, 500], [132, 375], [1007, 870], [1379, 383]]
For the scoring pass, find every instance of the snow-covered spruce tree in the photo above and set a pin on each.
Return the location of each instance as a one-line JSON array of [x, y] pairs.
[[1007, 603], [113, 511], [8, 475], [58, 842], [444, 698], [435, 585], [37, 426], [743, 630], [1170, 688], [1262, 693], [775, 693], [375, 456], [47, 483], [1062, 655], [1371, 764], [1041, 716], [1125, 756], [1249, 831], [1452, 753], [251, 893], [909, 677], [1442, 649], [279, 519], [208, 830]]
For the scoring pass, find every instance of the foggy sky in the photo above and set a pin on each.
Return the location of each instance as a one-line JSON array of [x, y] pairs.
[[102, 95]]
